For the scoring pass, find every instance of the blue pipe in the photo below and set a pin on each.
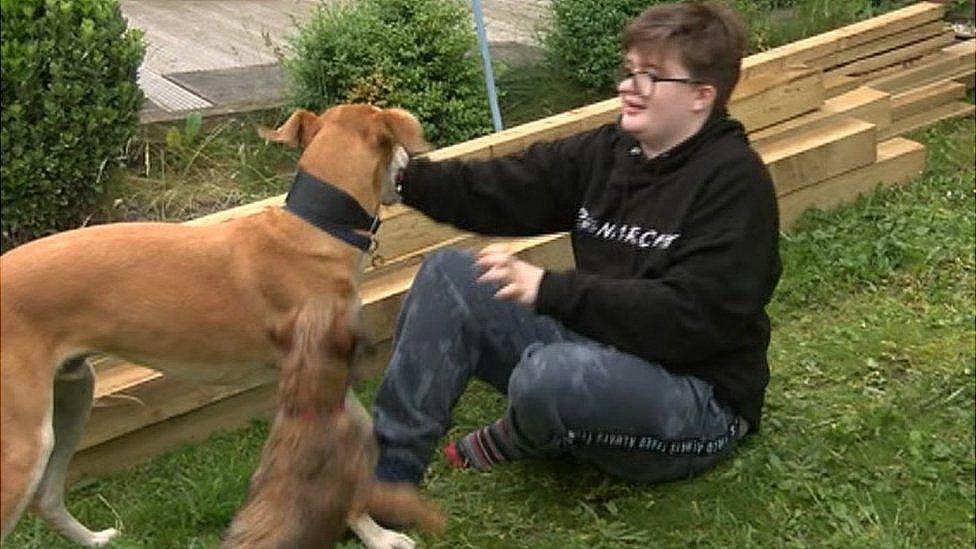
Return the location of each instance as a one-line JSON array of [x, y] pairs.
[[479, 23]]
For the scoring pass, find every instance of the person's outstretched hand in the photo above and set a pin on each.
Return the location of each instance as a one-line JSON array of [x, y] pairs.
[[517, 280]]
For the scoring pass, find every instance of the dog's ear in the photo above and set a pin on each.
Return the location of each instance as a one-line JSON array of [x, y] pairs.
[[299, 129], [405, 130]]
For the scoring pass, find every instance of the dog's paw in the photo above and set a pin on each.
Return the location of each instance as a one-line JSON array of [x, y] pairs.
[[388, 539], [102, 538]]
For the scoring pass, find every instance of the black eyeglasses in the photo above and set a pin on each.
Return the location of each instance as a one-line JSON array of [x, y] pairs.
[[644, 81]]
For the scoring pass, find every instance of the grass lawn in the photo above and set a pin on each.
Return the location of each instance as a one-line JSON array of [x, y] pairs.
[[868, 436]]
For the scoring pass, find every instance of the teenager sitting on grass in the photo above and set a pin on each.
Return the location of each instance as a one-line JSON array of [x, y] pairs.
[[648, 359]]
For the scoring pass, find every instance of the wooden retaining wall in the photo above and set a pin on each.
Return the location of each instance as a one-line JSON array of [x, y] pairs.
[[827, 114]]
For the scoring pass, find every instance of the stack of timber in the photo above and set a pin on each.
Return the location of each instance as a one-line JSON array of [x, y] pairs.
[[827, 114]]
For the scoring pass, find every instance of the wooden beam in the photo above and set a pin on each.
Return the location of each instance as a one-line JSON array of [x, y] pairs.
[[478, 148], [863, 103], [890, 23], [897, 55], [950, 63], [898, 160], [837, 84], [925, 98], [922, 120], [406, 231], [239, 211], [598, 114], [151, 439], [887, 43], [968, 80], [819, 154], [767, 99], [828, 43], [155, 399]]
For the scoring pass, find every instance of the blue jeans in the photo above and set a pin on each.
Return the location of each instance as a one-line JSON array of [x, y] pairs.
[[566, 394]]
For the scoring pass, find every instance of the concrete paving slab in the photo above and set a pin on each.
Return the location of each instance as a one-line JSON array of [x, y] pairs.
[[242, 86], [221, 56]]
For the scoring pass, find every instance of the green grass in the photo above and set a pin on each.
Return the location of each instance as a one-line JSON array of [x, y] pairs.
[[868, 436], [175, 172]]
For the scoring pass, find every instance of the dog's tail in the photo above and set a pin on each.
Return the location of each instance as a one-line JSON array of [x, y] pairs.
[[400, 504]]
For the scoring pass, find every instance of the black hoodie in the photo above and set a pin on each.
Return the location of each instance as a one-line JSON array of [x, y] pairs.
[[676, 256]]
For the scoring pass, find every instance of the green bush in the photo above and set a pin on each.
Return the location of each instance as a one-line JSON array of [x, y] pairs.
[[70, 102], [583, 38], [416, 54]]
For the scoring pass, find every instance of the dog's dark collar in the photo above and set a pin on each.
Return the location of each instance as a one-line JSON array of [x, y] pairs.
[[331, 210]]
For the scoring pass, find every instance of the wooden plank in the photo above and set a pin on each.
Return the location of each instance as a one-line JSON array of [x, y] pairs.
[[881, 45], [964, 50], [550, 128], [159, 398], [474, 149], [141, 445], [767, 99], [922, 120], [926, 98], [405, 231], [115, 376], [890, 23], [828, 43], [155, 399], [837, 84], [968, 80], [598, 114], [863, 103], [898, 55], [898, 160], [510, 141], [819, 154], [239, 211], [951, 62], [519, 138], [464, 241]]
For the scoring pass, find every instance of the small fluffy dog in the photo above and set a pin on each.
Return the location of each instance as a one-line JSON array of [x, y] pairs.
[[316, 470]]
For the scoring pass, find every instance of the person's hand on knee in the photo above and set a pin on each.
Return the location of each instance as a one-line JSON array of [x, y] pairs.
[[517, 280]]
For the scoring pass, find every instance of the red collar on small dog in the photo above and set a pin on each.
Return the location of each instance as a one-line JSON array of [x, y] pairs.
[[311, 416]]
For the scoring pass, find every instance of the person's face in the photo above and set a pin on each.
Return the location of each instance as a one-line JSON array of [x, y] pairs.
[[660, 100]]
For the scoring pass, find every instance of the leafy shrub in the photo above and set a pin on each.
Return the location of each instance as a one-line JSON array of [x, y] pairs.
[[70, 102], [414, 54], [583, 37]]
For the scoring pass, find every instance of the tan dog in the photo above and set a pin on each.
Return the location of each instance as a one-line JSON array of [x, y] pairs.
[[193, 302], [316, 469]]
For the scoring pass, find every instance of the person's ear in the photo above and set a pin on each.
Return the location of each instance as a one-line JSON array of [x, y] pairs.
[[704, 97]]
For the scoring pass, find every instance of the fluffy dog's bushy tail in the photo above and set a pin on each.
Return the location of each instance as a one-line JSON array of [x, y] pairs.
[[400, 504]]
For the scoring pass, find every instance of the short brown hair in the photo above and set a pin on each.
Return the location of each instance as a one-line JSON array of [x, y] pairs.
[[708, 38]]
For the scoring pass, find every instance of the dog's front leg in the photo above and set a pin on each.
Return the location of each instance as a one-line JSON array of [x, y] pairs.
[[375, 536]]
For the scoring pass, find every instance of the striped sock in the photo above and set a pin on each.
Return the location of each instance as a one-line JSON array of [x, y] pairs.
[[483, 448]]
